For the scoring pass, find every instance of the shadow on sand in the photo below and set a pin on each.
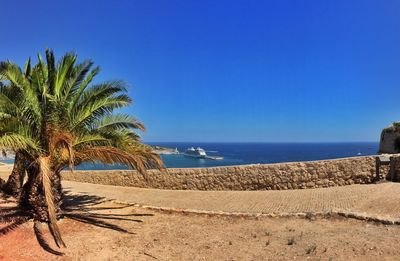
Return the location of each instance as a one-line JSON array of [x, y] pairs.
[[83, 208], [10, 214]]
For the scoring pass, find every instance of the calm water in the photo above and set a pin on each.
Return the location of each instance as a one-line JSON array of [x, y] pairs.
[[252, 153]]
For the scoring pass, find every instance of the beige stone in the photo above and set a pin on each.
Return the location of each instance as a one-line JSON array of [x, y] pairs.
[[326, 173]]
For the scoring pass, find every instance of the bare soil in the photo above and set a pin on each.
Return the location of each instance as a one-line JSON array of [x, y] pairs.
[[110, 231]]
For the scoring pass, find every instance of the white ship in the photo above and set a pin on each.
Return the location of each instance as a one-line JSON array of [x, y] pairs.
[[195, 153], [200, 154]]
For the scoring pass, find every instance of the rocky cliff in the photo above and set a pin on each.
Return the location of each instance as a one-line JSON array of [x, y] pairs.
[[390, 139]]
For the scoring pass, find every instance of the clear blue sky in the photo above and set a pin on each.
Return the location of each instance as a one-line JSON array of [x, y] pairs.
[[231, 70]]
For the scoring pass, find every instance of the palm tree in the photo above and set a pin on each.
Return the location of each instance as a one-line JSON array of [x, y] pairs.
[[54, 117], [14, 183]]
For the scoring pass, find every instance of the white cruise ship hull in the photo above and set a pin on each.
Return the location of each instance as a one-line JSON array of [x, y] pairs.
[[195, 156]]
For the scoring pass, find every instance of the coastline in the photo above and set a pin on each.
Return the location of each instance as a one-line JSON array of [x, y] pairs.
[[261, 153], [236, 154], [9, 166], [165, 151]]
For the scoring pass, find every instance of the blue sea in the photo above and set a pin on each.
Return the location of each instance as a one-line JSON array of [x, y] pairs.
[[253, 153]]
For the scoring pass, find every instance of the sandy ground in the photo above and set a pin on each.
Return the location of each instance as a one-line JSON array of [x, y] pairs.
[[5, 170], [372, 200], [109, 231], [96, 229]]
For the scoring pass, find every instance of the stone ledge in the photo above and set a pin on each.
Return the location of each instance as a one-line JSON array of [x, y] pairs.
[[307, 215], [278, 176]]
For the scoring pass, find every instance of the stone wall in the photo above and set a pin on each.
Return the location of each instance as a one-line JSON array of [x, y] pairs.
[[294, 175], [395, 174]]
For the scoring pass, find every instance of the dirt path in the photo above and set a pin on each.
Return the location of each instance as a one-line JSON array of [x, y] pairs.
[[110, 231], [375, 200]]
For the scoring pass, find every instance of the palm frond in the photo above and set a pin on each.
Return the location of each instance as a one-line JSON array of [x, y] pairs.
[[7, 101], [45, 173], [88, 139], [139, 160], [77, 78], [99, 91], [39, 78], [121, 138], [51, 70], [11, 72], [60, 140], [37, 227], [118, 121], [64, 70], [98, 108], [4, 116], [79, 90], [152, 159], [15, 141], [27, 68]]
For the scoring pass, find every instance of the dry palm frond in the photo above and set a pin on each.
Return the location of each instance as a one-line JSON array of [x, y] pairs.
[[37, 227], [111, 155], [135, 159], [45, 172], [151, 159], [62, 140], [58, 138]]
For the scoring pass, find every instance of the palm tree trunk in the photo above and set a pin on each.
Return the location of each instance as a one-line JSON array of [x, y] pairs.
[[33, 197], [2, 183], [15, 181]]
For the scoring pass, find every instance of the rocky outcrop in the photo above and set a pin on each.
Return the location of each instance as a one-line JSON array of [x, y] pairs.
[[294, 175], [390, 139]]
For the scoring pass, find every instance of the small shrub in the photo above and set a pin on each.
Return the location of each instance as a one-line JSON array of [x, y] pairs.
[[311, 249], [291, 241]]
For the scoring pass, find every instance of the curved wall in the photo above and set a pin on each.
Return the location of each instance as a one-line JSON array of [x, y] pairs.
[[293, 175]]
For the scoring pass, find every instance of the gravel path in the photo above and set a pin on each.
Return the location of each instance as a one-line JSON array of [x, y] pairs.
[[378, 200]]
